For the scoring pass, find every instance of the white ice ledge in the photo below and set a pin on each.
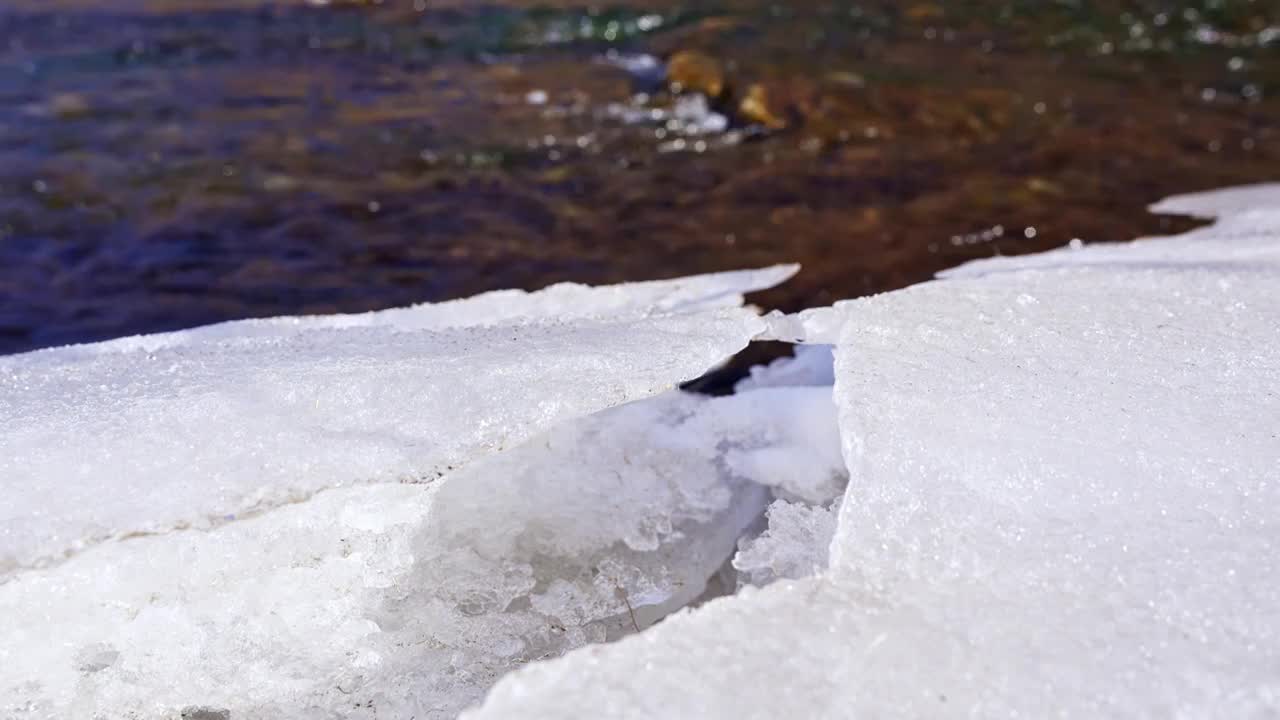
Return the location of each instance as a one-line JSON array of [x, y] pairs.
[[1064, 482]]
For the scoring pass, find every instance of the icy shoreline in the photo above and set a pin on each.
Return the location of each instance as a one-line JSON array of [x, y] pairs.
[[1061, 478]]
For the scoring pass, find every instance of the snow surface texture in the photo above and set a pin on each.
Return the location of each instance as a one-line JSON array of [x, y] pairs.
[[1062, 503], [408, 600], [210, 428], [229, 534]]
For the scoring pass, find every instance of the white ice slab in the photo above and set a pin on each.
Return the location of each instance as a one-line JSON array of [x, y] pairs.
[[1063, 500], [225, 421], [251, 525]]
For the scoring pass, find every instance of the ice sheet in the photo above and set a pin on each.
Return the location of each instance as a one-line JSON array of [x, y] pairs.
[[1062, 500], [196, 436], [1070, 480], [1062, 475], [374, 517], [563, 302], [129, 443]]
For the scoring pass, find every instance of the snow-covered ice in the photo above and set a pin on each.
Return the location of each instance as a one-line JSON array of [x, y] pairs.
[[249, 524], [1037, 486], [1062, 501], [212, 424]]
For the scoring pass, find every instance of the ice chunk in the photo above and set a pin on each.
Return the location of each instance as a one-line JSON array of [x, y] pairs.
[[817, 326], [277, 548], [802, 458], [411, 599], [794, 546], [604, 528], [111, 444], [809, 468], [811, 365], [1063, 497]]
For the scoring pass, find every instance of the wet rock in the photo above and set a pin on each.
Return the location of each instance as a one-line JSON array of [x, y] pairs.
[[925, 11], [980, 117], [844, 78], [781, 103], [756, 107], [63, 106], [279, 183], [1041, 186], [69, 105], [692, 71], [504, 71]]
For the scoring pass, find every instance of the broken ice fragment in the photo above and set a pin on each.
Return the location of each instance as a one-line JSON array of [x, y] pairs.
[[794, 546]]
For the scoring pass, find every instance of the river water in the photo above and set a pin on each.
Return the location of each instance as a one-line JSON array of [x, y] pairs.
[[172, 163]]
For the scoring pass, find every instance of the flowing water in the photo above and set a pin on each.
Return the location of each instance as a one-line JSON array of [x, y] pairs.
[[171, 163]]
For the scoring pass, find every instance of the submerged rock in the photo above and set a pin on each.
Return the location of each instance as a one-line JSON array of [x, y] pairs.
[[692, 71], [756, 107]]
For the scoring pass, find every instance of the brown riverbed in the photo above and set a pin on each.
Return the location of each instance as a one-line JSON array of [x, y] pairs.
[[167, 164]]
